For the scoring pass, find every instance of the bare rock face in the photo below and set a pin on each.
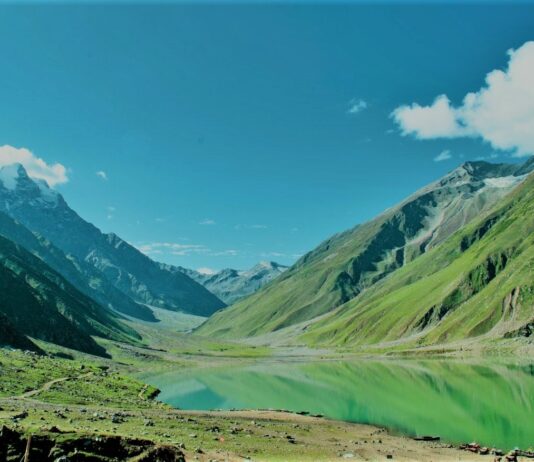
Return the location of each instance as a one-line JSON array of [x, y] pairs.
[[232, 285], [119, 267], [54, 447]]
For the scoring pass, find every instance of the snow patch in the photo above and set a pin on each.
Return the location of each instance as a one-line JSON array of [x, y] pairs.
[[504, 181], [47, 193], [9, 176], [206, 271]]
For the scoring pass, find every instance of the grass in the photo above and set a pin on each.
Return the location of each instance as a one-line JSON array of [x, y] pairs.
[[342, 267], [82, 382], [450, 276], [106, 402]]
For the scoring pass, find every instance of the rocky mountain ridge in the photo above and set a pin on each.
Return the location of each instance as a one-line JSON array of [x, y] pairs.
[[346, 264], [231, 285], [141, 280]]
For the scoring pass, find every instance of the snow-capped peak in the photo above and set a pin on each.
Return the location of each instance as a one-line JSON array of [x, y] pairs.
[[10, 174], [15, 179]]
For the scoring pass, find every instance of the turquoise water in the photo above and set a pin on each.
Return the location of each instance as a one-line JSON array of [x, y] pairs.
[[461, 402]]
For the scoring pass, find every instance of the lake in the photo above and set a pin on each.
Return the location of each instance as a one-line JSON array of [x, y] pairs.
[[492, 404]]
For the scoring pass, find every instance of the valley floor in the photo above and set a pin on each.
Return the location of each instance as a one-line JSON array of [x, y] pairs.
[[231, 436], [78, 394], [94, 401]]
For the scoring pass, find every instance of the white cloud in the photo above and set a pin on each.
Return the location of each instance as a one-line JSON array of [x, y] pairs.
[[173, 248], [256, 226], [356, 106], [207, 271], [272, 254], [426, 122], [179, 249], [207, 221], [36, 167], [103, 175], [501, 112], [111, 212], [224, 253], [443, 155]]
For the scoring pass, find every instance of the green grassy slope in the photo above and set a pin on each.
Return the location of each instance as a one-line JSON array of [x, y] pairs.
[[478, 282], [39, 303], [351, 262]]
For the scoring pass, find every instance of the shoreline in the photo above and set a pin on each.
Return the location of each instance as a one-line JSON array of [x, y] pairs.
[[237, 436], [100, 401]]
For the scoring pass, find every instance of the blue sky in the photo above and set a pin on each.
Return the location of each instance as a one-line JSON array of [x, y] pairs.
[[226, 132]]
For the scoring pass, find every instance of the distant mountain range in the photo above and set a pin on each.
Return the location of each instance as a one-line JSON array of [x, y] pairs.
[[231, 285], [70, 280], [101, 265], [453, 261], [344, 268]]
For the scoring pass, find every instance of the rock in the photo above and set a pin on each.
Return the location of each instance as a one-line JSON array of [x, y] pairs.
[[511, 456], [117, 419], [348, 455], [48, 446], [162, 454]]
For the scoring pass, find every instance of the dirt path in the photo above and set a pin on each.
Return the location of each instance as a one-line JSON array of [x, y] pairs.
[[50, 384]]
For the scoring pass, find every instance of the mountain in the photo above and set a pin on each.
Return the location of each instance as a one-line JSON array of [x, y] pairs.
[[37, 302], [79, 273], [348, 263], [150, 282], [11, 337], [231, 285], [477, 284], [44, 211]]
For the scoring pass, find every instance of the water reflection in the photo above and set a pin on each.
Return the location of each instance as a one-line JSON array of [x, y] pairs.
[[490, 403]]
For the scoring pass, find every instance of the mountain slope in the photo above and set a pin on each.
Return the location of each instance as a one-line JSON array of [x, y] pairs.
[[80, 274], [11, 337], [479, 282], [39, 303], [148, 281], [231, 285], [44, 211], [343, 266]]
